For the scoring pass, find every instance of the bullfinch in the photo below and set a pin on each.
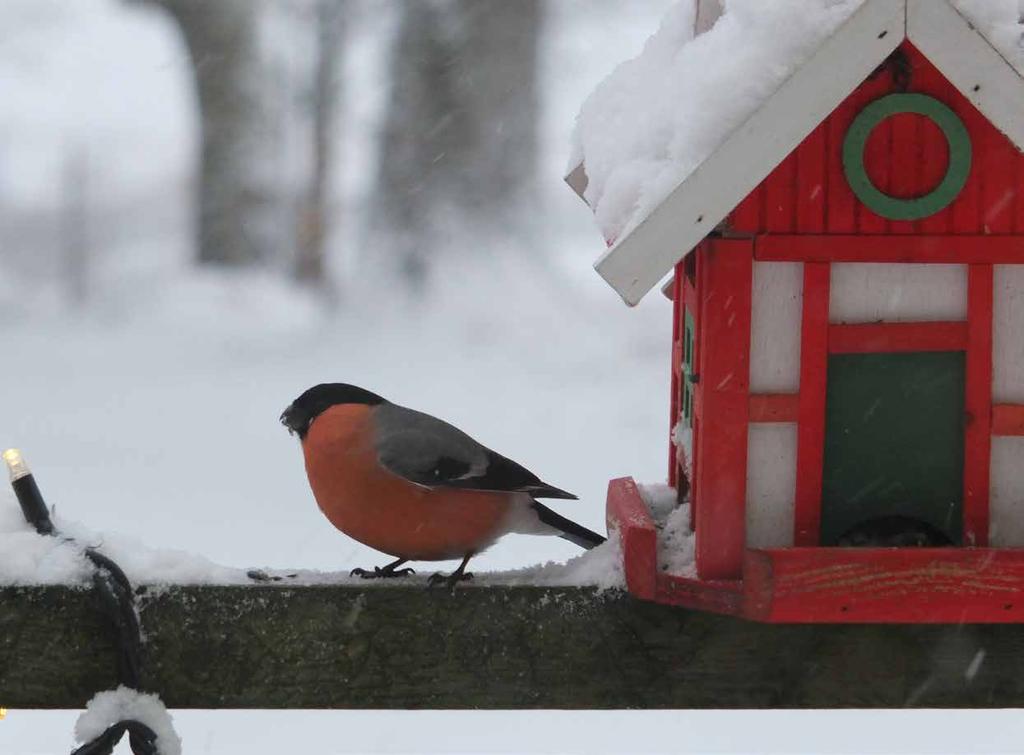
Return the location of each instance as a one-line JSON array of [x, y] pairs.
[[412, 486]]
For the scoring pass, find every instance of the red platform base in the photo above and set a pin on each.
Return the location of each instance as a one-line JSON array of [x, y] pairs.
[[829, 585]]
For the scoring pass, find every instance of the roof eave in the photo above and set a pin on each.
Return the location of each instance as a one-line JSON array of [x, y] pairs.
[[644, 256], [577, 180]]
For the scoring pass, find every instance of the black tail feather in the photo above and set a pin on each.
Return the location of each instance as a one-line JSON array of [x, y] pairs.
[[550, 491], [574, 533]]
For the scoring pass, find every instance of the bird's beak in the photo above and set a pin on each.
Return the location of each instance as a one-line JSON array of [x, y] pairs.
[[286, 418]]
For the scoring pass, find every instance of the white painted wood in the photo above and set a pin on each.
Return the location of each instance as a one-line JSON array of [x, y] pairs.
[[1006, 497], [877, 291], [638, 261], [1008, 334], [667, 288], [776, 308], [970, 62], [771, 484], [577, 180]]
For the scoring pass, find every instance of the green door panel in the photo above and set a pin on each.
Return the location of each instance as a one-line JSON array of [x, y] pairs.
[[894, 441]]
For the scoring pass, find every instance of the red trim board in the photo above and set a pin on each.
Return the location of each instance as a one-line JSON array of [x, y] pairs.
[[697, 286], [675, 369], [1008, 419], [721, 596], [722, 393], [626, 512], [873, 338], [774, 407], [829, 585], [811, 416], [978, 405], [952, 249], [885, 585]]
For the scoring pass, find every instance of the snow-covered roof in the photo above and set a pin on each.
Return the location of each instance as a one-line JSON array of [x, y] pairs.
[[673, 139]]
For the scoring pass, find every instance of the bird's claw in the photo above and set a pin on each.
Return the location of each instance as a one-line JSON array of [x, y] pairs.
[[449, 580], [379, 573]]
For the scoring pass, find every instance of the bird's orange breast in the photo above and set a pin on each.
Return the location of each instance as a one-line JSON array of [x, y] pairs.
[[385, 511]]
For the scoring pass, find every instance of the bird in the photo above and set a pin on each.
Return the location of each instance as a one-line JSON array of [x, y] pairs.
[[413, 486]]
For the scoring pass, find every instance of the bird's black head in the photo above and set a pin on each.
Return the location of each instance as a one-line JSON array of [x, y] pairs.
[[302, 411]]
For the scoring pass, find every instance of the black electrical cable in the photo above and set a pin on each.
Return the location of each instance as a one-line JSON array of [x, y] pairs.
[[141, 738], [117, 602], [33, 507]]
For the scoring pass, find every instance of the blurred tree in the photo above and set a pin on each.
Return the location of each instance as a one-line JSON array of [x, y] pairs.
[[74, 227], [459, 144], [221, 37], [313, 224]]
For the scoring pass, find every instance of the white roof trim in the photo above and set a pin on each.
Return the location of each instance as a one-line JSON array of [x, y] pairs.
[[970, 62], [638, 261]]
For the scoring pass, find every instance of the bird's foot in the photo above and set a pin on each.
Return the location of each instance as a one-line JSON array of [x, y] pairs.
[[449, 580], [379, 573]]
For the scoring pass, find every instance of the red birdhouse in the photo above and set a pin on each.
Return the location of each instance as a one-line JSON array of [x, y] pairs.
[[847, 366]]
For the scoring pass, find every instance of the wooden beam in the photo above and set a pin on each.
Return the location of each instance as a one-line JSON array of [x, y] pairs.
[[889, 337], [967, 249], [499, 647], [639, 259]]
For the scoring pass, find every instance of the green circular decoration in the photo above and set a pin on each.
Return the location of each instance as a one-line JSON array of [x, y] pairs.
[[957, 171]]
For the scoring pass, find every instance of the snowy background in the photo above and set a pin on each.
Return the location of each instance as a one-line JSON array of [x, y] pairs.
[[144, 390], [151, 408]]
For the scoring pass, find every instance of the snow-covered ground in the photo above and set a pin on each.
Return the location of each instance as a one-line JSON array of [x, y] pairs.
[[152, 413]]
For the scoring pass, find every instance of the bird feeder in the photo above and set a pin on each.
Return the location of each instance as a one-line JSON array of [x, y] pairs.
[[848, 303]]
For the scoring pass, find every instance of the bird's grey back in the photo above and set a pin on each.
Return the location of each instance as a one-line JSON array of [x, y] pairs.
[[416, 446]]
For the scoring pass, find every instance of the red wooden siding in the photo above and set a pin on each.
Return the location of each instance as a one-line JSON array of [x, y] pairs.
[[906, 156], [811, 178]]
